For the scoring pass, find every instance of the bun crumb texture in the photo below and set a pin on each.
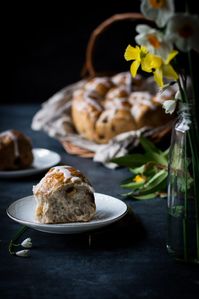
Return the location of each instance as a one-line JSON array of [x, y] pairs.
[[64, 195]]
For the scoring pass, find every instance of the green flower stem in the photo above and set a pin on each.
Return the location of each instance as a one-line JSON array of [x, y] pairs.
[[194, 88], [185, 218], [191, 74], [196, 190], [185, 239], [17, 235]]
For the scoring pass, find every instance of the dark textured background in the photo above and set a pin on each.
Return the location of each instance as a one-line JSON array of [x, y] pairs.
[[44, 44]]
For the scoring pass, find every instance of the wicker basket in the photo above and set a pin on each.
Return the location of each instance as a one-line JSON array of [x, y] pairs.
[[90, 72]]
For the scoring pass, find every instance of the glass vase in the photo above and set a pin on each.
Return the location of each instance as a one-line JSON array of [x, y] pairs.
[[183, 189]]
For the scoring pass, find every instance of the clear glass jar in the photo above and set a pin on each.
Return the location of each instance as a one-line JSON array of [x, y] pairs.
[[183, 189]]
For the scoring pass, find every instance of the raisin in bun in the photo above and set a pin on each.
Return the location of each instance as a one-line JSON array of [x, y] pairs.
[[64, 195], [15, 150], [107, 106]]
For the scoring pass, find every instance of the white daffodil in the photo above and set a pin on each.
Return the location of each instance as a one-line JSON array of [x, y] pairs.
[[183, 30], [158, 10], [27, 243], [169, 106], [22, 253], [154, 40]]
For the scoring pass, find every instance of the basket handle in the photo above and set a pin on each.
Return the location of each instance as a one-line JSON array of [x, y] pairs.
[[89, 66]]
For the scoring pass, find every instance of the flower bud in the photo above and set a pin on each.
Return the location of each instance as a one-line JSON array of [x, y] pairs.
[[27, 243], [22, 253], [169, 106]]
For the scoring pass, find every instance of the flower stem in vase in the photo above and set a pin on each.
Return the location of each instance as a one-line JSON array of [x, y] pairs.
[[183, 205], [185, 219]]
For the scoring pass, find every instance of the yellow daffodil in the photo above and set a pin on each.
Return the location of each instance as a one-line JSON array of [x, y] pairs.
[[151, 62], [139, 179], [137, 54], [159, 67]]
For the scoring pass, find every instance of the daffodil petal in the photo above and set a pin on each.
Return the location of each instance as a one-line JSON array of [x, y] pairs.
[[156, 61], [143, 28], [169, 72], [158, 77], [134, 67], [144, 50], [146, 65], [151, 62], [171, 56], [132, 53]]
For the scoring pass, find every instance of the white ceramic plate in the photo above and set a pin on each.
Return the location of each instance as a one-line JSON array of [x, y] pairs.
[[43, 160], [108, 209]]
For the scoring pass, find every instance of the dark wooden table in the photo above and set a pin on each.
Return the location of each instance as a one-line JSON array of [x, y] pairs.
[[127, 259]]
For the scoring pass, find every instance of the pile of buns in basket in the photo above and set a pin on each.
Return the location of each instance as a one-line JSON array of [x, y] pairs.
[[103, 117], [107, 106]]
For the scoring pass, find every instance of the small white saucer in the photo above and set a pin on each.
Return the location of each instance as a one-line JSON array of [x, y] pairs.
[[43, 159], [108, 210]]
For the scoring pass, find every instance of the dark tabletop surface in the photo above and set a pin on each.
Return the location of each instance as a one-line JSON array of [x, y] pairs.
[[127, 259]]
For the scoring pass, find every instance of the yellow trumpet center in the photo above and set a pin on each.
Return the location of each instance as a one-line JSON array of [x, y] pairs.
[[157, 3], [153, 41], [139, 179]]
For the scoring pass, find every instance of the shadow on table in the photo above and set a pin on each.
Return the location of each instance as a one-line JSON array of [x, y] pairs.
[[128, 231]]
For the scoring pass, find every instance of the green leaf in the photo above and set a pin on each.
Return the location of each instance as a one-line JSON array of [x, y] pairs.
[[128, 194], [150, 169], [147, 196], [149, 146], [157, 188], [138, 170], [126, 181], [133, 160], [158, 158], [166, 153], [155, 183], [156, 178], [185, 183], [176, 211], [15, 238], [133, 185]]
